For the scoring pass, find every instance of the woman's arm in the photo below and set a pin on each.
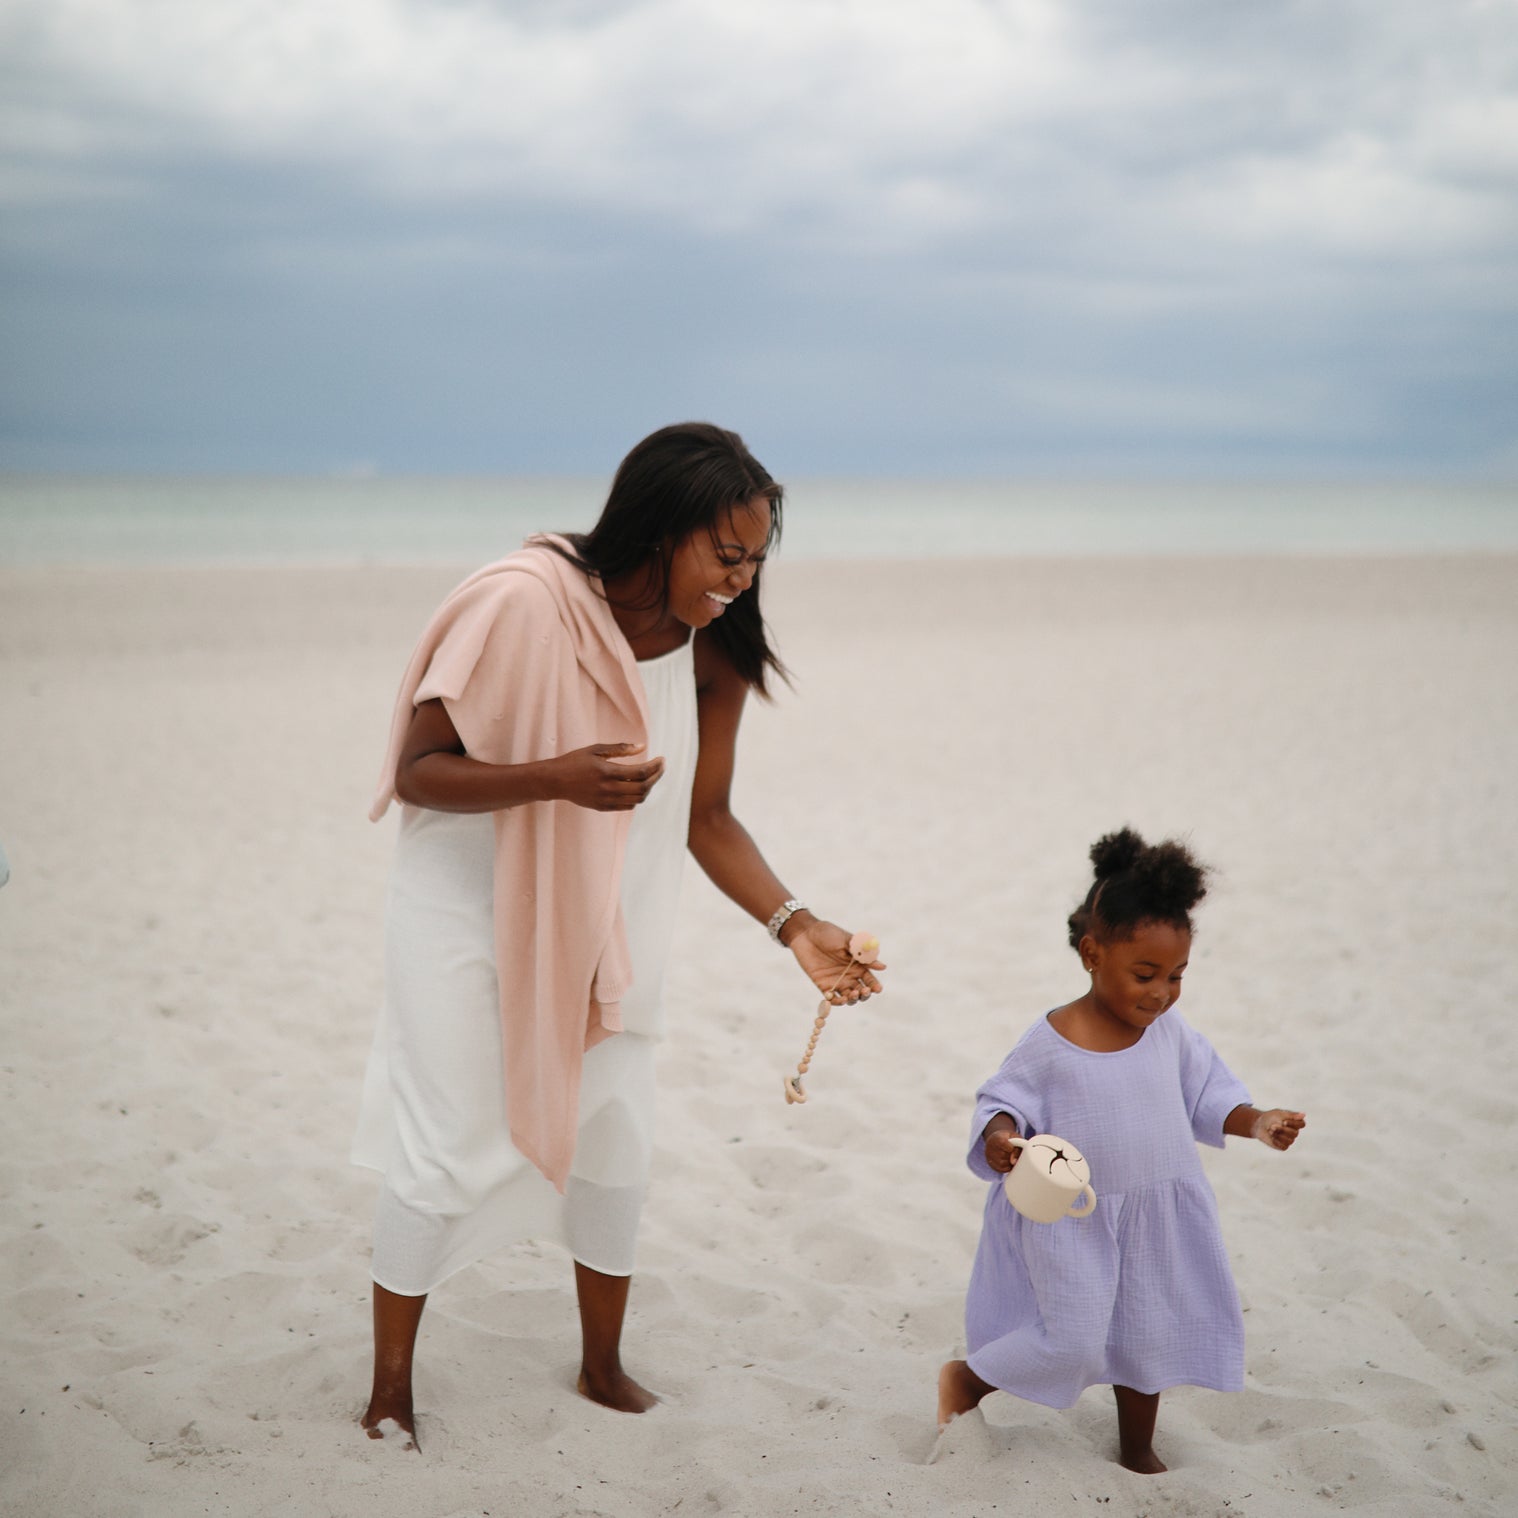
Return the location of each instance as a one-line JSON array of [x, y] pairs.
[[722, 845], [434, 772]]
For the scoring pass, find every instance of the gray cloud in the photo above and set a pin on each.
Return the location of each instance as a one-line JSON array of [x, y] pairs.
[[972, 236]]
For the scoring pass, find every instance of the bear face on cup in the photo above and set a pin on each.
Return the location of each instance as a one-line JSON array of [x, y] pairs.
[[1051, 1180]]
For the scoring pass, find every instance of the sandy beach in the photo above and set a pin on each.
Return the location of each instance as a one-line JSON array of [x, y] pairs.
[[190, 967]]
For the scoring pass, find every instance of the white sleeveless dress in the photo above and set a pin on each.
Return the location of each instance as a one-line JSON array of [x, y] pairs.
[[433, 1118]]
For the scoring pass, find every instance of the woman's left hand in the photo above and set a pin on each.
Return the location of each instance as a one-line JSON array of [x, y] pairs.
[[822, 950]]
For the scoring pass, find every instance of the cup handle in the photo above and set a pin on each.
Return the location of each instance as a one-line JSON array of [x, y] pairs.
[[1088, 1209], [1019, 1143]]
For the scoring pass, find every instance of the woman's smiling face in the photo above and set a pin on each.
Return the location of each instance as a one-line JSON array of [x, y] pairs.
[[713, 567]]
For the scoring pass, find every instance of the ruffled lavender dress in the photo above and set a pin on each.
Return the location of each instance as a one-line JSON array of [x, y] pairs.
[[1139, 1293]]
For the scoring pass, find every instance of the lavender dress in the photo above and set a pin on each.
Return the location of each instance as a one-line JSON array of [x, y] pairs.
[[1138, 1294]]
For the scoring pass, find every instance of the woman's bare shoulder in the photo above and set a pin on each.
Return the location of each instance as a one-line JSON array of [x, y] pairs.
[[715, 672]]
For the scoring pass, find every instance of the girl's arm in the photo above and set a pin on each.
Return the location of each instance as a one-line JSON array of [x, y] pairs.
[[434, 772], [1277, 1128], [730, 857], [1000, 1155]]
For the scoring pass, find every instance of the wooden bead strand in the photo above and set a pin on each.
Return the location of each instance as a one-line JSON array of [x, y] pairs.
[[863, 947]]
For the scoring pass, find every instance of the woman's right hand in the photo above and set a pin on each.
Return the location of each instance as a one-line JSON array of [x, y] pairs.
[[602, 778]]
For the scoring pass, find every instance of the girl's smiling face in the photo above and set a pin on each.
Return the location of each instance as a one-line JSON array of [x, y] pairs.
[[710, 569], [1135, 981]]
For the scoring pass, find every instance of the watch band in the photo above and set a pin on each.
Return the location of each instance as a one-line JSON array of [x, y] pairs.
[[783, 914]]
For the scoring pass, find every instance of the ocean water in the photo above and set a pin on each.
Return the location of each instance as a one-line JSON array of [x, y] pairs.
[[67, 520]]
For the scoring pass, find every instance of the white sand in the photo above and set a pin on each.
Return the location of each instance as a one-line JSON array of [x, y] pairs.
[[191, 960]]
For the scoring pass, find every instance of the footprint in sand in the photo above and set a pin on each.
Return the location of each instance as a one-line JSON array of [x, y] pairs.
[[965, 1438], [167, 1242], [772, 1168]]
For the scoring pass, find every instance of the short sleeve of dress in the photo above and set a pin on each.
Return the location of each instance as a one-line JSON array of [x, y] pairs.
[[1010, 1090], [496, 669], [1210, 1088]]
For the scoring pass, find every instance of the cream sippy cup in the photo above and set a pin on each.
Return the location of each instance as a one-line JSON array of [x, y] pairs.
[[1051, 1175]]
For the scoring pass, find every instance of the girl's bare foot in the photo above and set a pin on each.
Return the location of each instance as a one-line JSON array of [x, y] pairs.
[[959, 1389], [1136, 1414], [616, 1390]]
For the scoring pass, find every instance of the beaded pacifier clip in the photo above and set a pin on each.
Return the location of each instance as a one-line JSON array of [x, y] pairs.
[[863, 948]]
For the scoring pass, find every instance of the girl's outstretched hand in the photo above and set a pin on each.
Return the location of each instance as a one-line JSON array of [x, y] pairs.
[[1278, 1128], [822, 950]]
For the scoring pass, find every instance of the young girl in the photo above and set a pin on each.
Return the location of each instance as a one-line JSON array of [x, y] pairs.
[[1138, 1294]]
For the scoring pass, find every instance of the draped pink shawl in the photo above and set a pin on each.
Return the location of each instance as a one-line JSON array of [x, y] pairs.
[[530, 663]]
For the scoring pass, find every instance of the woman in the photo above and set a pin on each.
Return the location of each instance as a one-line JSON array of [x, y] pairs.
[[565, 729]]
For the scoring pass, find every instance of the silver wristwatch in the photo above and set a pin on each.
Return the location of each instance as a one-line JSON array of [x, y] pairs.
[[783, 914]]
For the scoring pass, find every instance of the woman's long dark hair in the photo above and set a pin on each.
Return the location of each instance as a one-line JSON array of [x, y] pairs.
[[679, 480]]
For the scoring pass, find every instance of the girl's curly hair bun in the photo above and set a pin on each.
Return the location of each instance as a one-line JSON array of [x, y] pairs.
[[1137, 882], [1169, 879], [1113, 853]]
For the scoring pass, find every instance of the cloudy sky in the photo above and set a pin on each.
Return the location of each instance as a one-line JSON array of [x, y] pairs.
[[965, 237]]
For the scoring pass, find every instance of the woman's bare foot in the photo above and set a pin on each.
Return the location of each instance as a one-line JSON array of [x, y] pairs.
[[616, 1390], [959, 1389], [389, 1414], [603, 1303], [1144, 1461], [391, 1418]]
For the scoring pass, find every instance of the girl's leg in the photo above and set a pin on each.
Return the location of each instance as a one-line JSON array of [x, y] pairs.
[[1136, 1412], [603, 1303], [959, 1389], [395, 1324]]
